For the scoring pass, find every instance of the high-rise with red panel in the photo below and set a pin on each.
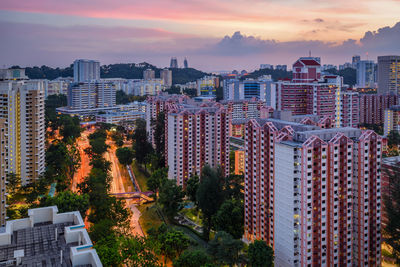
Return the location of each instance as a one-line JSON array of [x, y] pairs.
[[311, 93], [195, 136], [313, 194], [373, 106]]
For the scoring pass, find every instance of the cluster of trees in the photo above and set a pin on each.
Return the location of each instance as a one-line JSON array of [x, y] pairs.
[[127, 71], [220, 200], [123, 98], [393, 144], [349, 75], [275, 74], [108, 215]]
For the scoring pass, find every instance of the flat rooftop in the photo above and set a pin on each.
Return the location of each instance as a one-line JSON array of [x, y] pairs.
[[47, 238], [42, 245]]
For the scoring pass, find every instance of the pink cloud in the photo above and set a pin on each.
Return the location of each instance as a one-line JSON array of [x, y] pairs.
[[175, 10]]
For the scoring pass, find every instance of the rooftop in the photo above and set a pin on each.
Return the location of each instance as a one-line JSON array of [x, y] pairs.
[[47, 238], [392, 161]]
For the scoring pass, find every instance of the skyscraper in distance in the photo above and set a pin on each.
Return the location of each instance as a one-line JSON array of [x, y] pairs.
[[86, 70], [365, 74], [166, 76], [174, 63], [355, 60], [185, 64], [149, 74], [389, 75]]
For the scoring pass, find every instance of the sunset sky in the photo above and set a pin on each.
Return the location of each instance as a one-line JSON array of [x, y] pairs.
[[213, 35]]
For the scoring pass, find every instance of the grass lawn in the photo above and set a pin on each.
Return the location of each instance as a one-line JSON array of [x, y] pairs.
[[141, 177], [193, 215], [126, 180], [149, 217]]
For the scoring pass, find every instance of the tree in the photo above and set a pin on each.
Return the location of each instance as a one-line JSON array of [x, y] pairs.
[[141, 146], [173, 243], [191, 188], [209, 197], [233, 186], [67, 201], [124, 155], [393, 138], [138, 251], [192, 258], [156, 180], [121, 97], [98, 146], [158, 126], [229, 218], [13, 183], [392, 209], [108, 250], [98, 162], [70, 128], [225, 249], [118, 138], [260, 254], [171, 198]]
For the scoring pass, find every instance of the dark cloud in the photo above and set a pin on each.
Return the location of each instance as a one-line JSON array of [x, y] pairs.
[[318, 20]]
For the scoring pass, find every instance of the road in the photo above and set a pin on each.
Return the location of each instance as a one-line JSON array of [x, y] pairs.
[[119, 179], [84, 169]]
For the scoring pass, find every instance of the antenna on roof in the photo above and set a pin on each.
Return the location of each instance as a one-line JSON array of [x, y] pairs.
[[309, 53]]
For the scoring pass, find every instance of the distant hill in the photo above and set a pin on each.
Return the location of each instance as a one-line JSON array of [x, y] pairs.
[[275, 74], [348, 74], [127, 71]]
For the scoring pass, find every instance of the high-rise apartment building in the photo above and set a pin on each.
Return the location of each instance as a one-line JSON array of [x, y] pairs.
[[261, 89], [349, 109], [207, 84], [355, 59], [373, 106], [196, 136], [3, 174], [389, 75], [166, 76], [185, 64], [162, 102], [390, 167], [310, 93], [149, 74], [93, 94], [313, 194], [86, 70], [148, 87], [174, 63], [366, 74], [391, 120], [22, 130]]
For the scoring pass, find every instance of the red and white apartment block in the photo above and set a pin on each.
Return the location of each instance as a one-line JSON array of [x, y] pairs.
[[311, 93], [373, 106], [196, 136], [313, 194]]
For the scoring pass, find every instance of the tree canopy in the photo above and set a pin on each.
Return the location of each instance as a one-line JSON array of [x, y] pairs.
[[260, 254]]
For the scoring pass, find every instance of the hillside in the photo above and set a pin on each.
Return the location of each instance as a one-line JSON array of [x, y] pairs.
[[275, 74], [127, 71]]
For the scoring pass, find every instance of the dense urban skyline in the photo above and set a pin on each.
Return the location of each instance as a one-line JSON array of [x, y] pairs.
[[212, 38]]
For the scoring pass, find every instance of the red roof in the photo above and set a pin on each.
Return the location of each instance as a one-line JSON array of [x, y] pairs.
[[310, 62]]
